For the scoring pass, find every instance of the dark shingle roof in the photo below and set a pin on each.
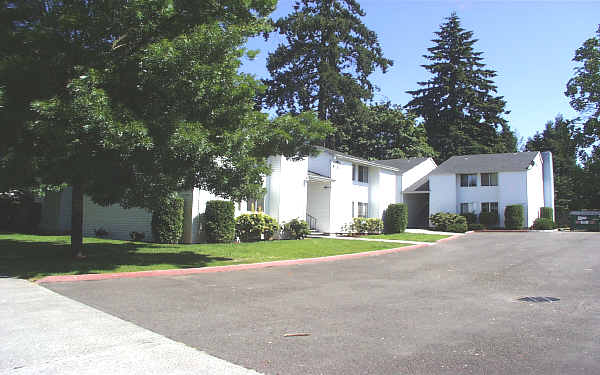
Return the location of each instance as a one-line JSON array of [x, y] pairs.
[[403, 165], [513, 162]]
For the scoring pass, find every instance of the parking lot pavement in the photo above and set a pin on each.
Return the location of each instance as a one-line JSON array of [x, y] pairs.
[[445, 309], [45, 333]]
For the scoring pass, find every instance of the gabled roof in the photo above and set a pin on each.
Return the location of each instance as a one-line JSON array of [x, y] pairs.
[[356, 159], [512, 162], [403, 165]]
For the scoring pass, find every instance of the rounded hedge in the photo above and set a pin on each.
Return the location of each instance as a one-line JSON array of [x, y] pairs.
[[296, 229], [167, 222], [513, 217], [395, 218], [255, 227], [543, 224], [547, 213], [219, 221]]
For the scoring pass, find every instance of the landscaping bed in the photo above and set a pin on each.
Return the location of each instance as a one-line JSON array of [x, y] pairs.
[[34, 256]]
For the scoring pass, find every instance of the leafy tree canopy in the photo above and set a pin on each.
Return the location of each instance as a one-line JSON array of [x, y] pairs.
[[326, 62], [128, 101], [583, 90], [382, 131], [460, 111]]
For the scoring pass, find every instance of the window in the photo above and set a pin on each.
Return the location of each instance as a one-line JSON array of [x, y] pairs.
[[363, 209], [360, 173], [255, 205], [489, 179], [466, 208], [468, 180], [489, 207], [353, 212]]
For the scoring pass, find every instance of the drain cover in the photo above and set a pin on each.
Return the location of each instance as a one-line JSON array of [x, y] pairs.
[[538, 299]]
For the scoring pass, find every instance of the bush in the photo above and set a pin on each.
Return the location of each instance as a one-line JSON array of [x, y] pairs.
[[167, 221], [395, 218], [547, 213], [137, 236], [296, 229], [457, 227], [255, 227], [513, 217], [489, 219], [543, 224], [471, 217], [364, 225], [444, 221], [220, 221]]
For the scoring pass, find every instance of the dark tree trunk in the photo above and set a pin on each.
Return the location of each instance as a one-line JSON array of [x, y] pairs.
[[77, 221]]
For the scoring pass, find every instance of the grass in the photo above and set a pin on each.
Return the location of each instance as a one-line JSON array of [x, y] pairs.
[[34, 256], [418, 237]]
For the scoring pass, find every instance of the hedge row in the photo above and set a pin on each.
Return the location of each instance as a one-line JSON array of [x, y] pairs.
[[395, 218], [167, 222]]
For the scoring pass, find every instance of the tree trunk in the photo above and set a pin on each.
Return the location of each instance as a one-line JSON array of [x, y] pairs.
[[77, 221]]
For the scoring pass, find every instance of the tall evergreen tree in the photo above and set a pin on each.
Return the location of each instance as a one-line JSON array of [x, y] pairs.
[[326, 62], [458, 106], [562, 138]]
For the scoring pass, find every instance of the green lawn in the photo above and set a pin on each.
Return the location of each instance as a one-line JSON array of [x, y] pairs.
[[409, 237], [33, 256]]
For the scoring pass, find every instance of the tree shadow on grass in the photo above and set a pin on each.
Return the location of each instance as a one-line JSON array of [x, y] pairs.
[[37, 258]]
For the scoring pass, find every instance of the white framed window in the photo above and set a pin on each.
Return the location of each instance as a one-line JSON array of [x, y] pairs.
[[489, 179], [363, 209], [467, 207], [255, 205], [489, 207], [468, 180], [360, 173]]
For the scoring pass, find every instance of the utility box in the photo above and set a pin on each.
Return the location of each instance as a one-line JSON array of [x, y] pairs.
[[585, 219]]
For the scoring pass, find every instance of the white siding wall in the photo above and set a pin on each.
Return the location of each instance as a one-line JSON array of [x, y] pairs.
[[442, 196], [477, 194], [387, 191], [116, 220], [375, 192], [343, 192], [273, 183], [419, 171], [318, 204], [292, 190], [512, 189], [535, 191], [320, 164]]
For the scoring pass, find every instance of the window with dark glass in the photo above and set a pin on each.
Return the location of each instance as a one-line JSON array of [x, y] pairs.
[[466, 208], [489, 179], [255, 205], [363, 209], [489, 207], [363, 174], [468, 180]]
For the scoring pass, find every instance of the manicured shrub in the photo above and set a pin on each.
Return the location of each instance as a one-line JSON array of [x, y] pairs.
[[543, 224], [255, 227], [374, 225], [220, 221], [513, 217], [471, 217], [363, 225], [443, 221], [296, 229], [547, 213], [395, 218], [167, 220], [457, 227], [489, 219]]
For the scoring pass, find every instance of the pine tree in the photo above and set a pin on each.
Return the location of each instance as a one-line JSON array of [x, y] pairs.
[[326, 62], [562, 138], [458, 106]]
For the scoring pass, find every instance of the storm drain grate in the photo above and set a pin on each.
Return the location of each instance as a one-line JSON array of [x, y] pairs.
[[538, 299]]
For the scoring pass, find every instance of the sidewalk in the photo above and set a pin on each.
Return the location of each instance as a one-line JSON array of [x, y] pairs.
[[45, 333]]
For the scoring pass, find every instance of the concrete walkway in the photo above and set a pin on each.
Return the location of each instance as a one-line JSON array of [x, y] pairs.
[[45, 333]]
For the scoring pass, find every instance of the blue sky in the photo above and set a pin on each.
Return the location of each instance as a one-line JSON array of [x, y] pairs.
[[529, 44]]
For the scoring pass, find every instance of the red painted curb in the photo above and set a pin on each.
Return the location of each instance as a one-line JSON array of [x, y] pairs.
[[235, 267], [451, 238]]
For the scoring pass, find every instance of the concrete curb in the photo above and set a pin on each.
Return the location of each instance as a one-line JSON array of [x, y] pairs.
[[235, 267]]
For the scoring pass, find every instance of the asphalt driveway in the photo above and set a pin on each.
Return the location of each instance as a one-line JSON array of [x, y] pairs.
[[451, 308]]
